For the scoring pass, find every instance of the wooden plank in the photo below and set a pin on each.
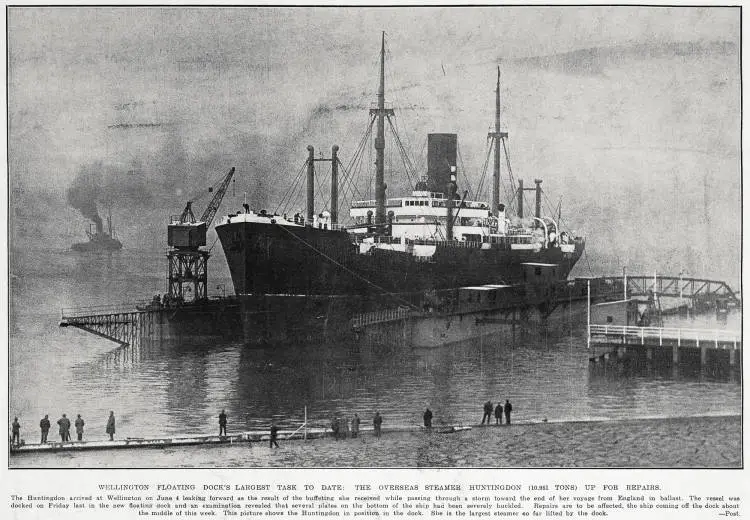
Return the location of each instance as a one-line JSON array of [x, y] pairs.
[[215, 440]]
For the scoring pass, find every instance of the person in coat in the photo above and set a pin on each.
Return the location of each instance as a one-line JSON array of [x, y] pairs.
[[355, 426], [222, 424], [499, 414], [377, 421], [427, 417], [44, 425], [79, 427], [487, 412], [274, 434], [335, 427], [111, 425], [344, 428], [508, 408], [64, 424], [16, 430]]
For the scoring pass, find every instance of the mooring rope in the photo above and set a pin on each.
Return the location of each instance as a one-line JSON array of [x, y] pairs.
[[321, 253]]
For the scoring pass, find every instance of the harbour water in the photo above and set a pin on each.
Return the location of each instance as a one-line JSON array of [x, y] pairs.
[[159, 389]]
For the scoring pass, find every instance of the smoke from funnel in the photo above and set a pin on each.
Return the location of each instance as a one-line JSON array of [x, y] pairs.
[[84, 192]]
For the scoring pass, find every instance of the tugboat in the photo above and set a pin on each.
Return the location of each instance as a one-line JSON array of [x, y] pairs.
[[308, 274], [99, 240]]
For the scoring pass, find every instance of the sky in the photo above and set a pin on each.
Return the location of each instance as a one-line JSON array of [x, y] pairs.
[[615, 107]]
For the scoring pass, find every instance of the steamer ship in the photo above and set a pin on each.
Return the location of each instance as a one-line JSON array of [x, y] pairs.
[[99, 240], [302, 276]]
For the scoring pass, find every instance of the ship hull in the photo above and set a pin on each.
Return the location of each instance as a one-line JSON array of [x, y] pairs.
[[97, 246], [278, 320], [265, 258]]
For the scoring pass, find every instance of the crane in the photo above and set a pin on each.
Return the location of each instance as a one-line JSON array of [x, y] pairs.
[[187, 272], [187, 232]]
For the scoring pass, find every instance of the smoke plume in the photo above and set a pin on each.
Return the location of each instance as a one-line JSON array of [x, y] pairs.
[[97, 183], [85, 190]]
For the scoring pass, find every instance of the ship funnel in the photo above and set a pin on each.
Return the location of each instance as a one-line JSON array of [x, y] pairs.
[[441, 155]]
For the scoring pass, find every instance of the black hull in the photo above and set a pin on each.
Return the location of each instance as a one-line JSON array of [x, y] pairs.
[[275, 259]]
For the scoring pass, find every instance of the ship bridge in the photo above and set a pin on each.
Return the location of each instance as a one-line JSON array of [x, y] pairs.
[[422, 216]]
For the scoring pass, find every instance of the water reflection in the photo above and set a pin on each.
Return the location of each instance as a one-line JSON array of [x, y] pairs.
[[545, 374], [159, 387]]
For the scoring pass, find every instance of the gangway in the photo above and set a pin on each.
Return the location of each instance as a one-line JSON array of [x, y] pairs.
[[124, 324], [695, 289]]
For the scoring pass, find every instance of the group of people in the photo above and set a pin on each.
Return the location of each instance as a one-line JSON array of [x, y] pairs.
[[274, 429], [500, 409], [341, 428], [64, 428]]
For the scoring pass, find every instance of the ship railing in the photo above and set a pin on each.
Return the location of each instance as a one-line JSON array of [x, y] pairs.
[[337, 227], [99, 310], [468, 244], [329, 225], [359, 239], [380, 316], [686, 336]]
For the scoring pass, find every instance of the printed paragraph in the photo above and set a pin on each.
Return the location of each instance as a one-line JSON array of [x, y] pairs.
[[384, 500]]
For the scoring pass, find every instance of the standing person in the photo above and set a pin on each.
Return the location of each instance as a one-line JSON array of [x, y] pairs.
[[355, 426], [344, 428], [274, 434], [377, 421], [222, 424], [499, 414], [427, 416], [487, 412], [79, 427], [64, 424], [335, 427], [44, 425], [508, 409], [111, 425], [16, 429]]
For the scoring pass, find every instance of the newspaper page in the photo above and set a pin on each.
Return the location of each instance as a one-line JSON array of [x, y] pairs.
[[383, 261]]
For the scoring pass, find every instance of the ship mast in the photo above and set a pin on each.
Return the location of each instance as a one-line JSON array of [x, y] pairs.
[[381, 114], [497, 137]]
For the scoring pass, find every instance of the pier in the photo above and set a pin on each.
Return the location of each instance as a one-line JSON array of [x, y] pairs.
[[253, 436], [129, 325], [624, 337], [123, 324]]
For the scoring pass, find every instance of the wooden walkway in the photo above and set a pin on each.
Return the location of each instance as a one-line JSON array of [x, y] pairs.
[[624, 336], [208, 440]]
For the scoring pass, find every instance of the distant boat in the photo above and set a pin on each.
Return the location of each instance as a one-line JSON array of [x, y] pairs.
[[99, 240]]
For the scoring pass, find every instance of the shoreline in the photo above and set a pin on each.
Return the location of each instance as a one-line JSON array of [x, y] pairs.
[[675, 442]]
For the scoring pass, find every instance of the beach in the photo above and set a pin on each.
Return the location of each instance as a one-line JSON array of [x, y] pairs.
[[686, 442]]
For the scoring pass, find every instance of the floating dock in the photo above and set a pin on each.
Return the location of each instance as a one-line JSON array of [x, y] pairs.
[[129, 324]]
